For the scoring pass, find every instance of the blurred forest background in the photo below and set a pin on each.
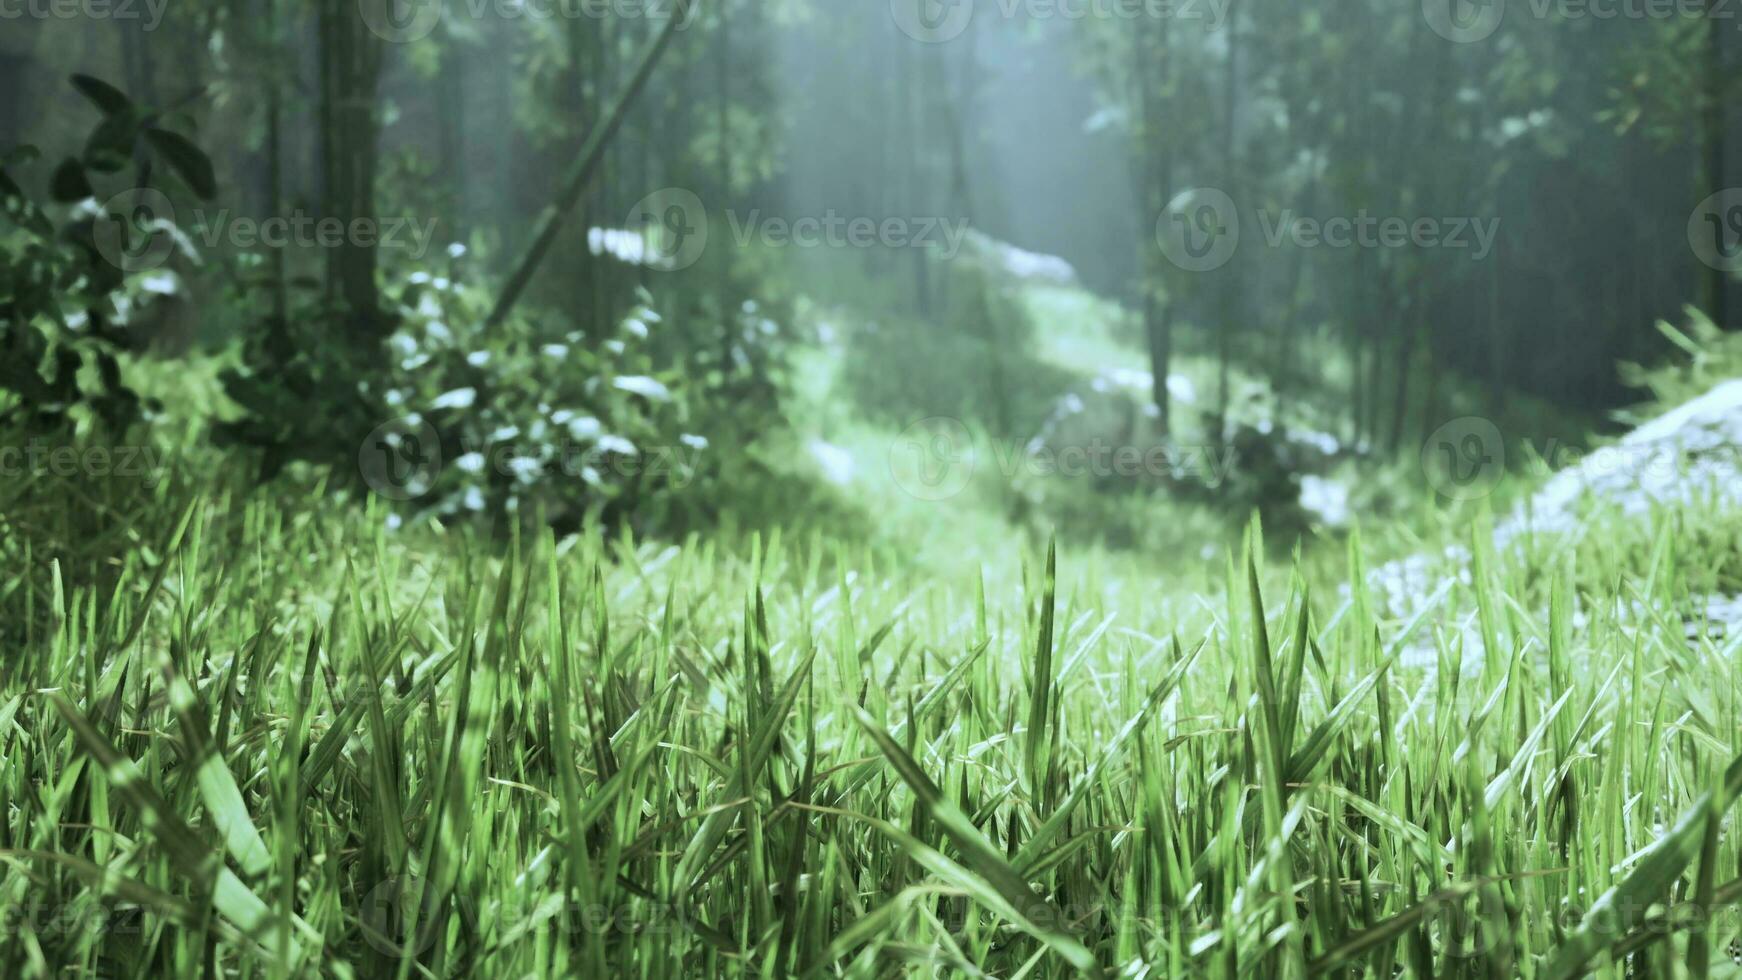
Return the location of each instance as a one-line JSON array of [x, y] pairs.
[[576, 229]]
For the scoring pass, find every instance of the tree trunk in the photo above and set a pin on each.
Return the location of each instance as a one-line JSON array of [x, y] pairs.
[[1228, 273], [723, 111], [275, 182], [579, 95], [1717, 282], [350, 74], [1154, 183]]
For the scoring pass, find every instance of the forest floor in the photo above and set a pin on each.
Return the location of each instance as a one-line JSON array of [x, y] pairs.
[[277, 737]]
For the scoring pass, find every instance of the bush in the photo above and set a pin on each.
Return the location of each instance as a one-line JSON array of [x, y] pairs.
[[67, 294], [974, 363]]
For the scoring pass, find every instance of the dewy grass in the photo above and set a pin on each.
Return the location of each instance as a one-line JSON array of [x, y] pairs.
[[280, 744]]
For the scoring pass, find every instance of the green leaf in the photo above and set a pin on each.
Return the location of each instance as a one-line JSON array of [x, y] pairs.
[[1650, 880], [1055, 824], [187, 853], [1040, 695], [1033, 912], [187, 160], [104, 96], [110, 146], [69, 183]]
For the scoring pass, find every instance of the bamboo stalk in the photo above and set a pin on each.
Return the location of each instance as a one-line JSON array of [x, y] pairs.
[[592, 153]]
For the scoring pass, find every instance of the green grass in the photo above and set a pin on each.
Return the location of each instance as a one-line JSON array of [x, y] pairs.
[[252, 732], [274, 739]]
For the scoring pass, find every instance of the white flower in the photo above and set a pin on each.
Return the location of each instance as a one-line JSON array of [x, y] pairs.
[[471, 463], [458, 398], [525, 468], [617, 444], [694, 442], [645, 387], [161, 284]]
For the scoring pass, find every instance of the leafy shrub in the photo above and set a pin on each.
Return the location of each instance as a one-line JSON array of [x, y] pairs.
[[975, 362], [538, 419], [66, 294], [1707, 356]]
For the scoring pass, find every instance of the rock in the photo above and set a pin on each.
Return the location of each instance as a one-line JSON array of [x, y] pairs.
[[1019, 264], [1721, 620], [836, 464], [1326, 500], [1112, 411], [1684, 457], [1689, 456]]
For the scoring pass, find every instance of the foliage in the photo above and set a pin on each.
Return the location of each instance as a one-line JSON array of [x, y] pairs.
[[1704, 356], [66, 294], [974, 361], [283, 747], [540, 419]]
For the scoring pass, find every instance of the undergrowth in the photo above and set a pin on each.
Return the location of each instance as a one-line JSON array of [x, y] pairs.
[[281, 740]]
